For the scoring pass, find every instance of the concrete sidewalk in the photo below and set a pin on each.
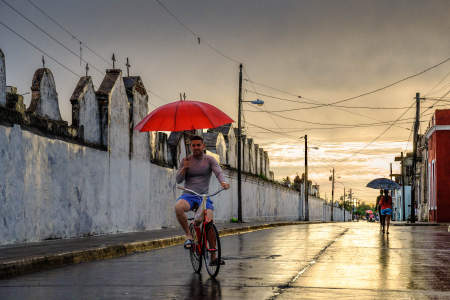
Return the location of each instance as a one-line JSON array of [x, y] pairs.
[[20, 259]]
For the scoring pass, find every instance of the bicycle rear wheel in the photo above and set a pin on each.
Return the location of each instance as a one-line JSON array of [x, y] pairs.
[[212, 251], [195, 252]]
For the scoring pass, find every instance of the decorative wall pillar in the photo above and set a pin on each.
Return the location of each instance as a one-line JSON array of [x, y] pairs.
[[138, 101], [85, 111], [256, 158], [261, 162], [44, 98], [114, 113]]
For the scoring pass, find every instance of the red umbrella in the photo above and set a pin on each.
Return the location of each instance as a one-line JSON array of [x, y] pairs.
[[183, 115]]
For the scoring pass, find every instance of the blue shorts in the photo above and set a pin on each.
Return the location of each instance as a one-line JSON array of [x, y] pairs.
[[386, 212], [195, 201]]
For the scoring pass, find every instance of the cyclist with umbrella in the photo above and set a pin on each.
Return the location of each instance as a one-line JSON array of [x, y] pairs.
[[196, 171]]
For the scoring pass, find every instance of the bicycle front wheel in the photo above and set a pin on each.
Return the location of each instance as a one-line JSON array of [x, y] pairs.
[[212, 251], [195, 252]]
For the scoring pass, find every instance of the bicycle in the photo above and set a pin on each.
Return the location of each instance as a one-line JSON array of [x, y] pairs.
[[206, 241]]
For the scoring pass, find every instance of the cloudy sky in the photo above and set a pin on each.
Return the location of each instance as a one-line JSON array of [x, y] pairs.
[[323, 51]]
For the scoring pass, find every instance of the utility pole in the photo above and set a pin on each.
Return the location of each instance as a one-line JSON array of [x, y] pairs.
[[306, 180], [239, 147], [403, 189], [344, 203], [350, 195], [332, 195], [416, 137], [128, 67]]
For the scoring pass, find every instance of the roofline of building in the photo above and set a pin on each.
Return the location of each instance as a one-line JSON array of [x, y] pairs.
[[431, 130]]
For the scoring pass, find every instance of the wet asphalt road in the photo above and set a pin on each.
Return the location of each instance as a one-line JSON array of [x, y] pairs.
[[340, 260]]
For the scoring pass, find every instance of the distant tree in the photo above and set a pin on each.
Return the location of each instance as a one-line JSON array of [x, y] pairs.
[[286, 181], [361, 209], [297, 183]]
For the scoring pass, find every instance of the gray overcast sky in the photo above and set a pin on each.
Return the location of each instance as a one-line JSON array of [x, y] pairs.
[[323, 50]]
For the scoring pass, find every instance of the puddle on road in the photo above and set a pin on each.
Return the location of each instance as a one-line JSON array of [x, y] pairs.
[[284, 287], [251, 257]]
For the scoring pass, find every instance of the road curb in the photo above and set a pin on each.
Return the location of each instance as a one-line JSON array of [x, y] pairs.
[[417, 224], [47, 262]]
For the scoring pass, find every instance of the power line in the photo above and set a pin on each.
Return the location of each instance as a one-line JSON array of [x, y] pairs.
[[317, 106], [437, 100], [49, 35], [340, 127], [275, 97], [442, 99], [275, 132], [273, 120], [423, 113], [332, 124], [440, 81], [409, 137], [372, 91], [340, 106], [381, 134], [196, 36], [39, 49], [68, 32]]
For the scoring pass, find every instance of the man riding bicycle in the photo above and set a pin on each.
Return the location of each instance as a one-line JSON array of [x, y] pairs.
[[195, 170]]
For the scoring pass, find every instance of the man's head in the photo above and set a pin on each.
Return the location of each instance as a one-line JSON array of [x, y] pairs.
[[197, 145], [381, 192], [386, 192]]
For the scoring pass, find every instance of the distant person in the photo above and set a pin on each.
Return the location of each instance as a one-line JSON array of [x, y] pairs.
[[378, 208], [386, 209]]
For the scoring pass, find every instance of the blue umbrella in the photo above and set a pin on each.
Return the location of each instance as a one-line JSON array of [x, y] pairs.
[[383, 184]]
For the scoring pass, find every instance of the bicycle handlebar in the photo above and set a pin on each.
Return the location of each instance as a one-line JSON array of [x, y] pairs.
[[200, 195]]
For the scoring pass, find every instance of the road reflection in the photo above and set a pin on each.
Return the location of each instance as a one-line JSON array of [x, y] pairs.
[[383, 260], [210, 289]]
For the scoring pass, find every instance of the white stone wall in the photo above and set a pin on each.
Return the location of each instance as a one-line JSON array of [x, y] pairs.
[[54, 189], [261, 200], [89, 116], [319, 211], [2, 79], [141, 140], [315, 209]]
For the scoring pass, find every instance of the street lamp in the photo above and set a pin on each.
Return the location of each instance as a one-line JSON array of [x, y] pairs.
[[239, 138]]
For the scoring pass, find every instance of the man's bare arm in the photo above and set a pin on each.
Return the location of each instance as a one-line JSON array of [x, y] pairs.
[[185, 164]]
